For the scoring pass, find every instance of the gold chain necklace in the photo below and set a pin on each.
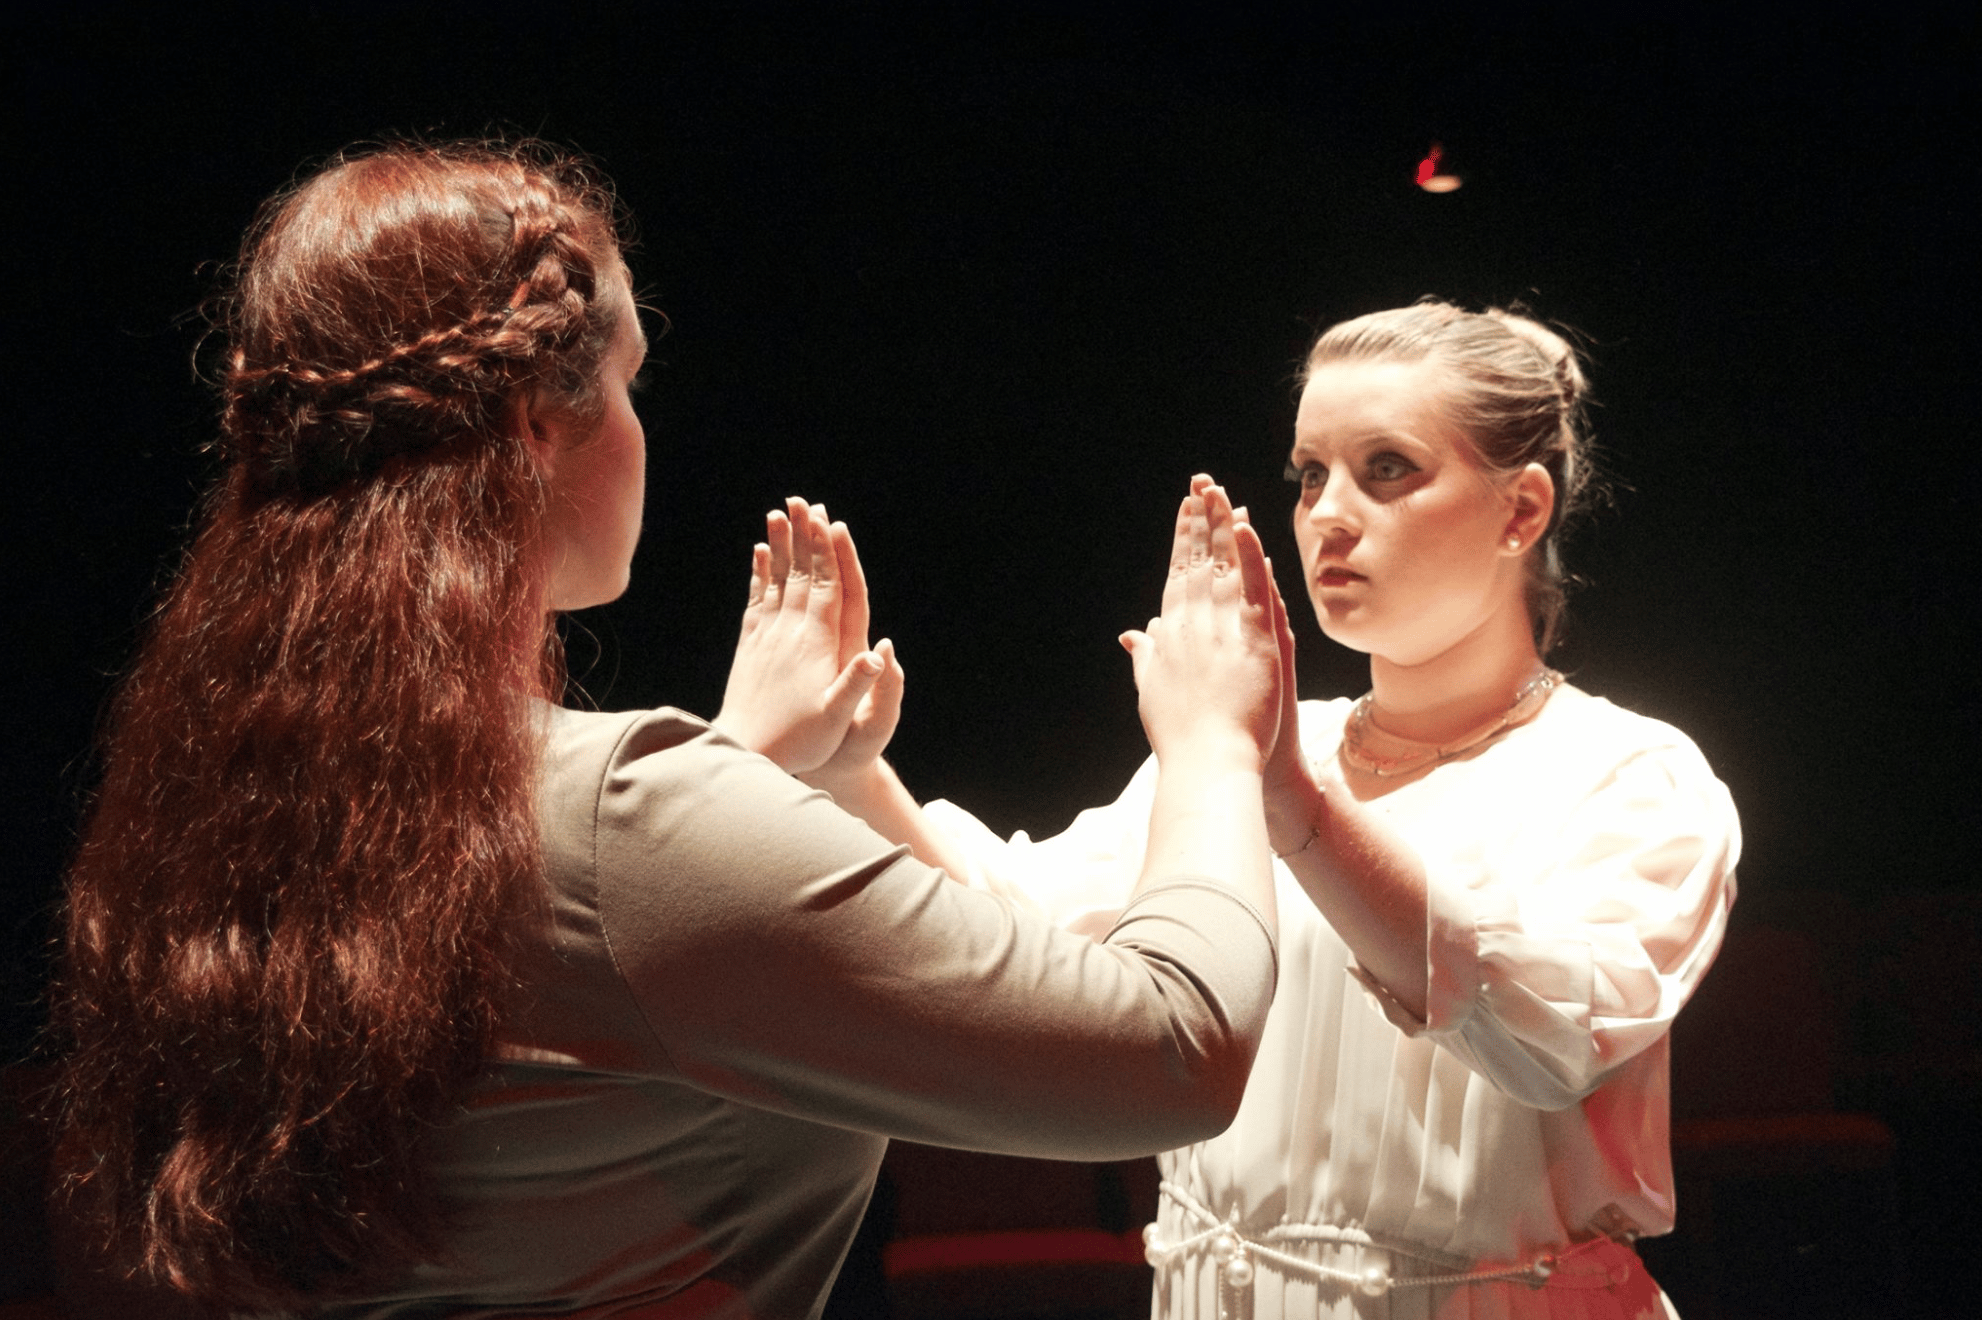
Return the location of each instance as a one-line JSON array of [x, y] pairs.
[[1526, 704]]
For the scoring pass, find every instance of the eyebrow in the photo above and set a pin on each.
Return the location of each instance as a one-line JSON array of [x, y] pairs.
[[1379, 435]]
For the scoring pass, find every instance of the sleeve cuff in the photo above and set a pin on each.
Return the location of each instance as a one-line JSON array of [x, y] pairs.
[[1142, 909]]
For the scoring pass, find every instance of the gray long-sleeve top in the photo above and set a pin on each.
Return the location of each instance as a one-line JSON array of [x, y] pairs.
[[742, 991]]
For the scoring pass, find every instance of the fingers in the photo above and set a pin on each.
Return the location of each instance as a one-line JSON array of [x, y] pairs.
[[793, 531], [821, 586], [760, 585], [1180, 536], [810, 575], [1283, 628], [1136, 643], [1202, 539], [888, 687], [1213, 547], [1283, 636], [1208, 522], [777, 537], [803, 557], [1202, 515], [799, 514], [1140, 645], [853, 592], [845, 693], [1225, 563], [760, 574], [1219, 522], [821, 564], [1255, 575], [875, 721]]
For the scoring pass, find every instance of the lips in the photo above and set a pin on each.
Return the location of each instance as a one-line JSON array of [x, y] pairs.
[[1339, 577]]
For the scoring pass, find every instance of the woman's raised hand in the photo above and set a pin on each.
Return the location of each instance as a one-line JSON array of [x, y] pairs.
[[1209, 668], [1287, 770], [804, 689]]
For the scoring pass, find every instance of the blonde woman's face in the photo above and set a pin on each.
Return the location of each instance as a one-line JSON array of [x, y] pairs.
[[1403, 537]]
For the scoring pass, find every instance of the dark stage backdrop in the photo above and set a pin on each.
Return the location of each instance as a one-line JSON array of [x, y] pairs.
[[993, 280]]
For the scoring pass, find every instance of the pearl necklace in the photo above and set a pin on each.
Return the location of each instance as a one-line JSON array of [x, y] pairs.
[[1526, 705]]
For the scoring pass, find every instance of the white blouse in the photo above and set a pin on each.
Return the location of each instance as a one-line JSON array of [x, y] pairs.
[[1581, 869]]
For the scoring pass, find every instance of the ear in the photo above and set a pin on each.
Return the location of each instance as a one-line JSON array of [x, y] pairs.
[[542, 431], [1531, 496]]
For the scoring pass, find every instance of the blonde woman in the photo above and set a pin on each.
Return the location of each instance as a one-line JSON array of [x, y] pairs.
[[1495, 889]]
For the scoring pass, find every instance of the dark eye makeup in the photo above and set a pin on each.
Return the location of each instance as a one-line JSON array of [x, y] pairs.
[[1389, 466]]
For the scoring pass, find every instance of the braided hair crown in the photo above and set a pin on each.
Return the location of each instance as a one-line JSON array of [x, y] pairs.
[[398, 302]]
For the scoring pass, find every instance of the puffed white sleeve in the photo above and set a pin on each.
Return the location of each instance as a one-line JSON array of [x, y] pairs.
[[1078, 879], [1566, 948]]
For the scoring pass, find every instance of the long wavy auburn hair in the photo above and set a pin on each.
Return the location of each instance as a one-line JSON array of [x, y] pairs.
[[291, 915]]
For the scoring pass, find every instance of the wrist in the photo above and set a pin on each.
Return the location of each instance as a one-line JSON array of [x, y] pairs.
[[1213, 751], [1294, 807], [860, 783], [741, 732]]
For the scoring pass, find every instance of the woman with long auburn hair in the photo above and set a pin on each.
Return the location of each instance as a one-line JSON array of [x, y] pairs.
[[1495, 890], [392, 988]]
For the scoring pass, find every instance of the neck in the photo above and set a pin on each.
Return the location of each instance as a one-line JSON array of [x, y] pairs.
[[1454, 692]]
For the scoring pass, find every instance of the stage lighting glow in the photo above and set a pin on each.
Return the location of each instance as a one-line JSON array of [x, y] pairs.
[[1432, 177]]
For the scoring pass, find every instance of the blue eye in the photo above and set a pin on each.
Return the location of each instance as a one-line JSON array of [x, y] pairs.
[[1391, 467]]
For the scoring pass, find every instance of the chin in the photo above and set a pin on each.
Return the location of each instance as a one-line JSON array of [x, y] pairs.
[[1344, 629], [592, 593]]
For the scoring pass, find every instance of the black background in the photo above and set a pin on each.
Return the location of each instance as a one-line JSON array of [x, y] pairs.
[[993, 280]]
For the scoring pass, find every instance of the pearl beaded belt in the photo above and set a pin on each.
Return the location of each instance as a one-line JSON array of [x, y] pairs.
[[1238, 1254]]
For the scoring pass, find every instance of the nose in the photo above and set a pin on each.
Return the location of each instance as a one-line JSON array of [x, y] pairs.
[[1333, 515]]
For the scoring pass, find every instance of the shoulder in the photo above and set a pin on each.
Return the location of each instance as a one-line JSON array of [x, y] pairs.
[[1579, 724], [1589, 746]]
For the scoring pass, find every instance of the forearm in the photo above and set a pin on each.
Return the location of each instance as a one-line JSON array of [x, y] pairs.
[[1207, 821], [1368, 883], [877, 795]]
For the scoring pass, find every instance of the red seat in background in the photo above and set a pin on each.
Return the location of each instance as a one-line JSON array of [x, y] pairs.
[[987, 1237]]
